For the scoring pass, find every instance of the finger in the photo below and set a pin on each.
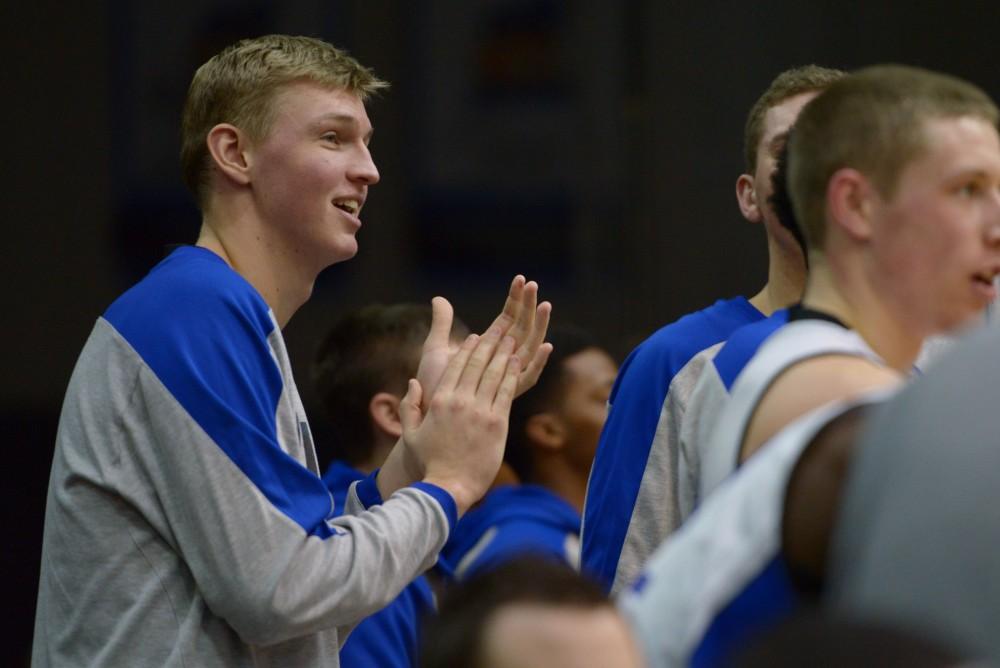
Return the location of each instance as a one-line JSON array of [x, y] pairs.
[[512, 307], [526, 318], [453, 372], [531, 342], [409, 406], [495, 371], [479, 359], [442, 315], [533, 370], [505, 392]]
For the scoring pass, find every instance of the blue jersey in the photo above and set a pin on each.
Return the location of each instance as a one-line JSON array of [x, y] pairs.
[[632, 500], [512, 521], [389, 637]]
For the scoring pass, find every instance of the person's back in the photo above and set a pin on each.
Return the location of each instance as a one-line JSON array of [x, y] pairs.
[[633, 498], [915, 542]]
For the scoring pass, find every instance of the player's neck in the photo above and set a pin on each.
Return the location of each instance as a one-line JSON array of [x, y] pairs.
[[246, 246], [786, 279], [559, 477], [852, 301]]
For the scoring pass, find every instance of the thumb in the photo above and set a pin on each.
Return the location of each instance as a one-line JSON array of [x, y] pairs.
[[409, 407], [442, 315]]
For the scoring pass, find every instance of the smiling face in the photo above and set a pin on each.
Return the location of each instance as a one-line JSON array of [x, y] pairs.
[[935, 243], [310, 174]]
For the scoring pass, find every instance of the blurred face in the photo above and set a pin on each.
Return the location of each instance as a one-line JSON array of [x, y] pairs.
[[588, 376], [777, 122], [311, 173], [935, 244], [536, 636]]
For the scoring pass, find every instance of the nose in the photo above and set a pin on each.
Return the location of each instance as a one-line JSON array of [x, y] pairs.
[[363, 168]]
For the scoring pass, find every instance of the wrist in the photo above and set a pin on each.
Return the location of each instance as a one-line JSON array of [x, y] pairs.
[[463, 496]]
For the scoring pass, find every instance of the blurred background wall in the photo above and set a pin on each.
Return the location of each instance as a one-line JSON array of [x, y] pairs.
[[593, 145]]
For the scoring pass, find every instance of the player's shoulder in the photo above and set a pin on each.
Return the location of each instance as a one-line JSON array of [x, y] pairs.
[[191, 290], [674, 344]]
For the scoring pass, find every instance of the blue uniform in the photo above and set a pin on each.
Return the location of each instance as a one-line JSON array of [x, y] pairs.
[[389, 637], [512, 521], [632, 502]]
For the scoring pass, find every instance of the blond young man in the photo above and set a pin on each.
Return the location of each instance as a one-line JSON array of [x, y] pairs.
[[895, 176], [186, 523], [634, 496]]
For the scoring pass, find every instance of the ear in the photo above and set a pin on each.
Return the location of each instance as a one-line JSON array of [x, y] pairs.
[[546, 431], [384, 411], [850, 203], [746, 196], [228, 145]]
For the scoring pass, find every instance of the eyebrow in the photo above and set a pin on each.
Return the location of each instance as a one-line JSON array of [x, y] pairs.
[[346, 119]]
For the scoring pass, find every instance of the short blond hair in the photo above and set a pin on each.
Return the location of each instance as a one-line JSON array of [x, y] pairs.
[[796, 81], [874, 121], [238, 86]]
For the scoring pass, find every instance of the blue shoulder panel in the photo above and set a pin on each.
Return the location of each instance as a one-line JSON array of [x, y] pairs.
[[636, 401], [743, 345], [203, 331]]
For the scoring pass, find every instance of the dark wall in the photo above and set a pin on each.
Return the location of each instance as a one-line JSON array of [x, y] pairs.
[[592, 144]]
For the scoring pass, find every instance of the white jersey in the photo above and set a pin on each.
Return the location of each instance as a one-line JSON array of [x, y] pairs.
[[795, 342], [727, 545]]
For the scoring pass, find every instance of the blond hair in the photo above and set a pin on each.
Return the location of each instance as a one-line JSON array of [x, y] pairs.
[[874, 121], [238, 86], [796, 81]]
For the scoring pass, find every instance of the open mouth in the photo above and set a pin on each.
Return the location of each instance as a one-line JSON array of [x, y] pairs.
[[351, 206]]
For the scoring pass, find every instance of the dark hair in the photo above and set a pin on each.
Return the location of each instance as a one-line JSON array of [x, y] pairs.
[[374, 349], [781, 201], [454, 636], [566, 340]]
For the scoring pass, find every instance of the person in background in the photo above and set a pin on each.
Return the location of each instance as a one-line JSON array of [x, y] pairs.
[[527, 613], [550, 447], [633, 496], [360, 373]]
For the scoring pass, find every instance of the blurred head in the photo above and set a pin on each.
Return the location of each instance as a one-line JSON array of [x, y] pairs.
[[902, 165], [240, 84], [563, 414], [361, 370], [527, 613]]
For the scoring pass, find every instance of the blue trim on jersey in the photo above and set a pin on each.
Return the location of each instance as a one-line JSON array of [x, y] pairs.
[[390, 636], [768, 599], [529, 519], [743, 345], [446, 501], [636, 401], [203, 331], [367, 491]]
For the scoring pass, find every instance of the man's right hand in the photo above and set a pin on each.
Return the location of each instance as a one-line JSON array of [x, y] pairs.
[[460, 441]]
